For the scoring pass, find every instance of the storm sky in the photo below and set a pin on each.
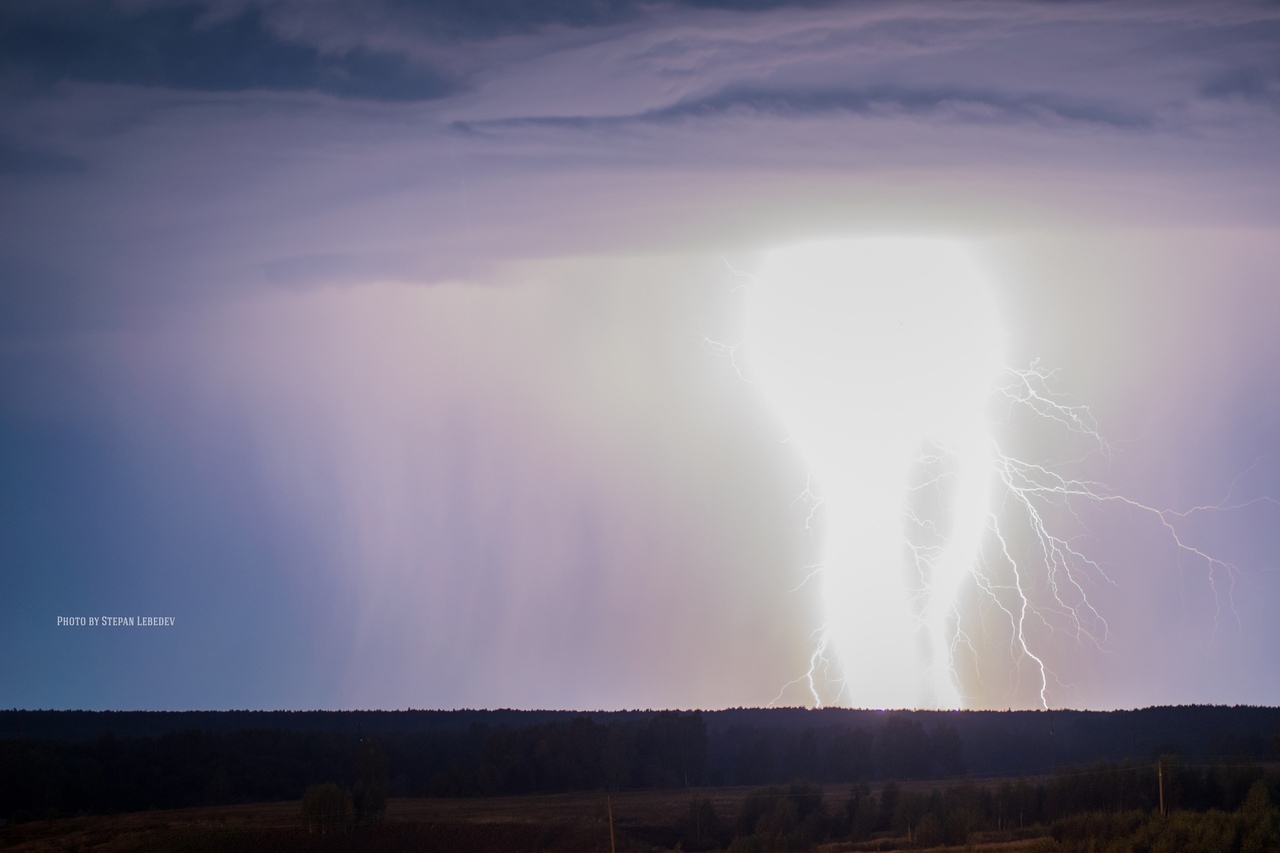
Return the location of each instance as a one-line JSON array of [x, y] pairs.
[[389, 347]]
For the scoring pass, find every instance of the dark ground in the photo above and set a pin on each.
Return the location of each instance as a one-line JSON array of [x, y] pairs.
[[643, 821]]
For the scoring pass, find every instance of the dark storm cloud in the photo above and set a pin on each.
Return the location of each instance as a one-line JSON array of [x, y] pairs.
[[150, 190], [483, 19], [959, 104], [1249, 84], [217, 47], [178, 47], [462, 19], [382, 50]]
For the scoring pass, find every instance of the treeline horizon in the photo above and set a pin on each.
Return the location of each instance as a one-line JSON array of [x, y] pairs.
[[68, 762], [996, 743]]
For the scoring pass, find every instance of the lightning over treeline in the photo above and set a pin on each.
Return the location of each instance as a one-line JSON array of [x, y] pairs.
[[883, 358]]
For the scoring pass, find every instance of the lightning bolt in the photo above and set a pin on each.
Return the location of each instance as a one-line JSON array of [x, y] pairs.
[[1023, 562], [1030, 493]]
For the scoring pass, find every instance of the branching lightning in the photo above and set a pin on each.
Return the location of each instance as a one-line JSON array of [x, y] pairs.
[[868, 349]]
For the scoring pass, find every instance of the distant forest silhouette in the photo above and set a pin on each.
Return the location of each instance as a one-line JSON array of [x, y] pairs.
[[73, 762]]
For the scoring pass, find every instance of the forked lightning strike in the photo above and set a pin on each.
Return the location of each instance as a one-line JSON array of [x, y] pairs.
[[1031, 489], [866, 348]]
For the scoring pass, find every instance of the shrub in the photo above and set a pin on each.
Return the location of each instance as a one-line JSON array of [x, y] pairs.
[[327, 808]]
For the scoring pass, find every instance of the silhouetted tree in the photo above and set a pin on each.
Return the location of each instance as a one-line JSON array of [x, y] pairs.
[[671, 750], [849, 756], [326, 808], [860, 813], [701, 828], [902, 749], [944, 744], [369, 796]]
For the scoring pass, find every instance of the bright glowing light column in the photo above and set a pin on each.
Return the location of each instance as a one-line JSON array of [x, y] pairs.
[[870, 351]]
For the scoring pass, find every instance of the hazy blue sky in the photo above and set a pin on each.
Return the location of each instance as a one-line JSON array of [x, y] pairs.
[[388, 346]]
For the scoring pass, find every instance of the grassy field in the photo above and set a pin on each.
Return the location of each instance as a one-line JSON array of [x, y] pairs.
[[643, 821]]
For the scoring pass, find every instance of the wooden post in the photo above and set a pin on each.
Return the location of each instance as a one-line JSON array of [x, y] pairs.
[[613, 848], [1160, 777]]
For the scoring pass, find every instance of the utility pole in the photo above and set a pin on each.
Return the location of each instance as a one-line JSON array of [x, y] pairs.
[[1160, 778], [613, 847]]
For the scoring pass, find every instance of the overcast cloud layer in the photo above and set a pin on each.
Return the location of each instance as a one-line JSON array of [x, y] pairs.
[[381, 344]]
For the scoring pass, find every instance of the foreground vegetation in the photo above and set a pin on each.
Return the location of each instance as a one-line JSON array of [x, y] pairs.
[[1067, 813], [1059, 813]]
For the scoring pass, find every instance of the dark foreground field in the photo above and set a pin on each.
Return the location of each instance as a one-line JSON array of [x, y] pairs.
[[643, 821]]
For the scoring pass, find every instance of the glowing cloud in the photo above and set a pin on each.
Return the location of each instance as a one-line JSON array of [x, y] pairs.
[[881, 358]]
